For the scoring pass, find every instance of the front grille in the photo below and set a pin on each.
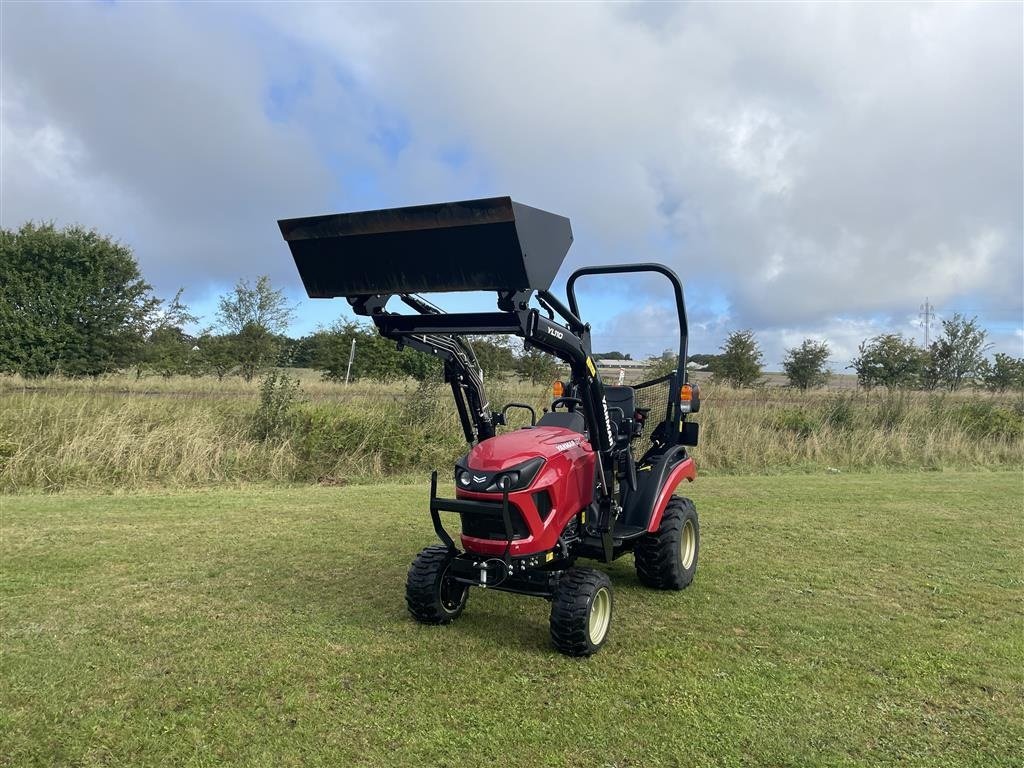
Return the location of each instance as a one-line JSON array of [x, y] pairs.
[[490, 525]]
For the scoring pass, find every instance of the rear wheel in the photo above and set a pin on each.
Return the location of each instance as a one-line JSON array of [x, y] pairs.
[[667, 559], [581, 611], [432, 596]]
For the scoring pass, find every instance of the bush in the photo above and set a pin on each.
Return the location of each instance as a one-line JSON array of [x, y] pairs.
[[373, 356], [805, 366], [982, 419], [664, 364], [279, 393], [537, 367], [800, 423], [422, 407], [958, 356], [329, 443], [1003, 373], [889, 361]]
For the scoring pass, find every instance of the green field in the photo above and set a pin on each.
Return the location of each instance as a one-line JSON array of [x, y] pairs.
[[835, 620]]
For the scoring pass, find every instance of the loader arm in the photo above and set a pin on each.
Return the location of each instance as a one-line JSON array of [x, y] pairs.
[[439, 334]]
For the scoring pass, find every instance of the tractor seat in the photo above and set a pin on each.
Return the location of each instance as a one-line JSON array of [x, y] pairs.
[[624, 398], [566, 419]]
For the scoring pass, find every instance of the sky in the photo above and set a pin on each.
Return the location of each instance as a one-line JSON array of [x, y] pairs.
[[808, 170]]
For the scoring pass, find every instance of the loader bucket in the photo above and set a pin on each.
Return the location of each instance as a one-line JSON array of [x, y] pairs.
[[493, 244]]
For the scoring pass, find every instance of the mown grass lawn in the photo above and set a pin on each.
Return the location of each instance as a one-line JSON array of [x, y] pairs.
[[835, 620]]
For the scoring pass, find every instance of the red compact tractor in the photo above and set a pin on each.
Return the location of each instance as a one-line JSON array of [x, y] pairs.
[[594, 477]]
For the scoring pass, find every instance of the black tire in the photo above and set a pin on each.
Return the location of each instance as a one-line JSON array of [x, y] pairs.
[[431, 596], [581, 611], [668, 559]]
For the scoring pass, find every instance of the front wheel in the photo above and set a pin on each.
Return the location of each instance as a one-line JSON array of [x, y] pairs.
[[581, 611], [431, 594], [667, 559]]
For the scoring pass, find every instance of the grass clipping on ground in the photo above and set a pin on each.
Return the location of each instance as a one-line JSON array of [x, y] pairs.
[[836, 620], [118, 432]]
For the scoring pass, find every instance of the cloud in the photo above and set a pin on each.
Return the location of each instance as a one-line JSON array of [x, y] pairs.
[[148, 122], [819, 161], [807, 169]]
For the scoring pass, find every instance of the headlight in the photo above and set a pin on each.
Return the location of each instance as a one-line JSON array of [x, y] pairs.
[[516, 478], [506, 479], [520, 476]]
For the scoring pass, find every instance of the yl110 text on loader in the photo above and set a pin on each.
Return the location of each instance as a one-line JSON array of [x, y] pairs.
[[594, 478]]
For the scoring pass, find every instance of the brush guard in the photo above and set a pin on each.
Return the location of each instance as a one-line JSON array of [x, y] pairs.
[[470, 507], [505, 573]]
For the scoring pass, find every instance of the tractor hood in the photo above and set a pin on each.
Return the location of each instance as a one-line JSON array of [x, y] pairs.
[[546, 454], [511, 448], [492, 244]]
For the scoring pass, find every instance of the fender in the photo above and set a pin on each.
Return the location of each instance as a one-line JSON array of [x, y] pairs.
[[685, 469], [657, 477]]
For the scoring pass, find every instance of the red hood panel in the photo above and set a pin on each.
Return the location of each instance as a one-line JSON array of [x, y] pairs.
[[513, 448]]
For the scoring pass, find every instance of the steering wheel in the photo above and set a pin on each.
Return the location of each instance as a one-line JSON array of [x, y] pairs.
[[569, 402]]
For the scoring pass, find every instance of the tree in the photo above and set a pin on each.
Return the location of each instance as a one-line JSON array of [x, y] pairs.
[[293, 353], [375, 357], [929, 377], [539, 367], [494, 355], [255, 349], [168, 350], [613, 355], [419, 365], [302, 350], [663, 364], [253, 316], [216, 354], [71, 301], [260, 304], [805, 365], [888, 360], [956, 357], [1005, 372], [740, 361]]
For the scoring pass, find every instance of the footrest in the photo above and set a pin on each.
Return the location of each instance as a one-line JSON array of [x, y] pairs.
[[627, 532]]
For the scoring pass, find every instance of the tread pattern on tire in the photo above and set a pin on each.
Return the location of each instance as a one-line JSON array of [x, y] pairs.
[[570, 610], [422, 594], [657, 554]]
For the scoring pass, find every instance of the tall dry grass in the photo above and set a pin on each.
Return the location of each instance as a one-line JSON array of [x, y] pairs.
[[119, 432]]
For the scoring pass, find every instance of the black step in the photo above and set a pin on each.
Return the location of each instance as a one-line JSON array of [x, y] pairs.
[[627, 532], [621, 534]]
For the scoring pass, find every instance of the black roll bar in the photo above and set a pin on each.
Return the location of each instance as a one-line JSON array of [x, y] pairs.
[[676, 416], [611, 269]]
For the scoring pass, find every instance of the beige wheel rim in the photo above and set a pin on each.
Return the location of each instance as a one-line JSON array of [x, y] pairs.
[[600, 615], [688, 545]]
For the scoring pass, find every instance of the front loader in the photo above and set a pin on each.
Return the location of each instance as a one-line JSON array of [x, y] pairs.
[[594, 477]]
